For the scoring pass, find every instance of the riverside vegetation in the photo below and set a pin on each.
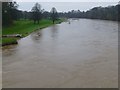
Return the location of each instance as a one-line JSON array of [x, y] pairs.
[[24, 28], [17, 24]]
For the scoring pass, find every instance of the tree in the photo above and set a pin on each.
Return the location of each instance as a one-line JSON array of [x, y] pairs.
[[105, 13], [46, 14], [54, 14], [36, 13], [9, 12]]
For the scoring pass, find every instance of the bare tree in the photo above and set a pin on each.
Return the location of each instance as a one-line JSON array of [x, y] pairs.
[[54, 14], [36, 12]]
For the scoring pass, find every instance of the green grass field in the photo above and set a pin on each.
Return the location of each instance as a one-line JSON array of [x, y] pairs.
[[7, 41], [24, 27]]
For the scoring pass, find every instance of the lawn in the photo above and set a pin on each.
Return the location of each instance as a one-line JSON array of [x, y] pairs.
[[25, 27], [7, 41]]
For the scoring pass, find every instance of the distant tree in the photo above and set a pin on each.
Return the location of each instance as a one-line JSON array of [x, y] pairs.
[[118, 8], [54, 14], [46, 14], [105, 13], [9, 12], [25, 15], [36, 13]]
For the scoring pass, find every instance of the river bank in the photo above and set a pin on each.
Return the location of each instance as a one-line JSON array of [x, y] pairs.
[[24, 28]]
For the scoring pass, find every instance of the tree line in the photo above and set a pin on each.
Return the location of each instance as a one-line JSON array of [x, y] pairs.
[[105, 13], [11, 13]]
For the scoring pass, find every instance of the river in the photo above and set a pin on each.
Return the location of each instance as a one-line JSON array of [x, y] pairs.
[[79, 54]]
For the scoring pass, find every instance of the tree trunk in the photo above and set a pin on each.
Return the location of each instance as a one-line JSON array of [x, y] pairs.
[[53, 21]]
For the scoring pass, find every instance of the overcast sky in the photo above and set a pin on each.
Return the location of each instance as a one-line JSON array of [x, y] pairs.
[[65, 6]]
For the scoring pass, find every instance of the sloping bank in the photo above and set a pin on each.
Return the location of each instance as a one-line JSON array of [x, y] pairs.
[[23, 28]]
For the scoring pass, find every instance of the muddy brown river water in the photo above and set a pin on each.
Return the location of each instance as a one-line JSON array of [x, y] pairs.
[[79, 54]]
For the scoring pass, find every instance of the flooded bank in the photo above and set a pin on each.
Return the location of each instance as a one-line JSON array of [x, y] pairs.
[[79, 54]]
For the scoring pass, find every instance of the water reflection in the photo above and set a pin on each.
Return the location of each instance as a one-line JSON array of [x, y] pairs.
[[54, 31]]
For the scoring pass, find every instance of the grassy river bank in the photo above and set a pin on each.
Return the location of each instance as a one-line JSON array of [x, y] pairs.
[[23, 28]]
